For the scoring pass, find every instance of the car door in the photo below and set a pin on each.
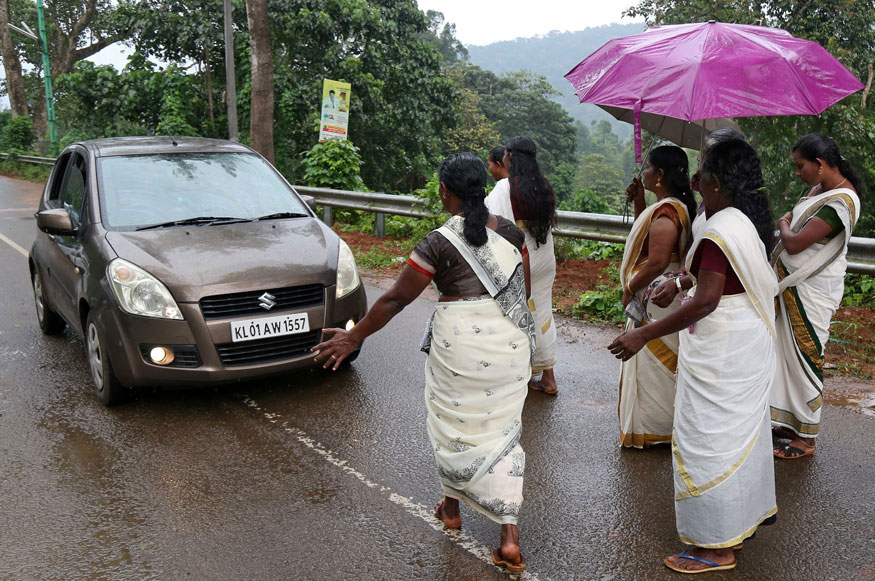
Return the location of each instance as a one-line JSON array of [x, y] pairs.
[[65, 261]]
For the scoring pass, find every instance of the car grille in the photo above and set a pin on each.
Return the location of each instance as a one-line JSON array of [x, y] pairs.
[[184, 355], [248, 303], [264, 350]]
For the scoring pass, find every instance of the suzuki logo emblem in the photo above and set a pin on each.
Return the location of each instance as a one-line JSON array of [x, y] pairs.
[[266, 301]]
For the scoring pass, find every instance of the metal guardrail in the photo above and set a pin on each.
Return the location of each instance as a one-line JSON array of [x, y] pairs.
[[600, 227]]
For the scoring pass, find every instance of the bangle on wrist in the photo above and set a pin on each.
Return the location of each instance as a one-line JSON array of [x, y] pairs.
[[677, 283]]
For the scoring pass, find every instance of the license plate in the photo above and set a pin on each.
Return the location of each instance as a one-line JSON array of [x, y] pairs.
[[263, 328]]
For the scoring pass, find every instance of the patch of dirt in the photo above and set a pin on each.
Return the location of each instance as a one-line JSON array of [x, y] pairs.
[[574, 277]]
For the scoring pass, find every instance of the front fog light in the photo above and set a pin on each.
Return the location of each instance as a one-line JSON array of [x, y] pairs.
[[161, 355], [350, 324]]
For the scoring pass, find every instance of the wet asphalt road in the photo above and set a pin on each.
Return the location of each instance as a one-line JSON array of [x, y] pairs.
[[330, 476]]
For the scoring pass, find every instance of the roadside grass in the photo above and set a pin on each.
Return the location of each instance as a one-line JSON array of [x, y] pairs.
[[24, 171], [851, 344]]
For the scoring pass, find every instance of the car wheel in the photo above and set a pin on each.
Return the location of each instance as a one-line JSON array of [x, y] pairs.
[[106, 385], [49, 321]]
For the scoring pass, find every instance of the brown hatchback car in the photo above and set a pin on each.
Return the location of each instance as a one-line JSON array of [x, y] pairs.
[[185, 261]]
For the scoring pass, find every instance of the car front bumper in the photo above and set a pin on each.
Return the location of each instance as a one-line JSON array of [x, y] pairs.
[[217, 359]]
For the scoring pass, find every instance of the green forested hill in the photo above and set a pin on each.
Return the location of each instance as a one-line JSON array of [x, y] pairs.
[[553, 55]]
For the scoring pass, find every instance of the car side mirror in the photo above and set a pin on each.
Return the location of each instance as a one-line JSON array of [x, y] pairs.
[[55, 221], [310, 201]]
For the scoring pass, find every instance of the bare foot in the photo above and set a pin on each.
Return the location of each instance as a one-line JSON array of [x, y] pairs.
[[508, 554], [447, 510], [720, 557]]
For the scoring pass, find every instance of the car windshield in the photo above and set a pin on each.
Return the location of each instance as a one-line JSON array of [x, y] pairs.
[[191, 188]]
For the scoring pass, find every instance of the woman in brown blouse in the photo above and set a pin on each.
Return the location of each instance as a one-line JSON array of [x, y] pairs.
[[479, 344]]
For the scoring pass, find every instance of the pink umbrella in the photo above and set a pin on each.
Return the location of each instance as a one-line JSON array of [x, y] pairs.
[[712, 70]]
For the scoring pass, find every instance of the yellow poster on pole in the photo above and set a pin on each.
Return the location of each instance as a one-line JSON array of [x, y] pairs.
[[334, 118]]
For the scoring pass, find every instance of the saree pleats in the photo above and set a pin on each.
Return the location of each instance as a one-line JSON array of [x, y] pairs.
[[475, 405]]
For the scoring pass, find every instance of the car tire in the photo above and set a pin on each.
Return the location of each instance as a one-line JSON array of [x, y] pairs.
[[49, 321], [107, 387]]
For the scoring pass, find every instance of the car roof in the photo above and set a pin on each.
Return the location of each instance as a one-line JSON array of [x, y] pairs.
[[119, 146]]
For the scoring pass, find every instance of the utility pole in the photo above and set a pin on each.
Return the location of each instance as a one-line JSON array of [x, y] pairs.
[[47, 72], [230, 81]]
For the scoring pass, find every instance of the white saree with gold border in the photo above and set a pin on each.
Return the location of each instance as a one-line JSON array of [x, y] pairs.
[[476, 377], [542, 269], [647, 380], [812, 283], [721, 447]]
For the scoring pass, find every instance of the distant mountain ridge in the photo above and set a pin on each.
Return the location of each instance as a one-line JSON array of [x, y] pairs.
[[553, 55]]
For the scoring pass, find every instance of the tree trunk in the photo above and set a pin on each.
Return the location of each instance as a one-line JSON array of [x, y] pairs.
[[208, 73], [12, 66], [261, 108]]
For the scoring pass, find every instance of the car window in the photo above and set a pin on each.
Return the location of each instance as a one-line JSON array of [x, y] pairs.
[[59, 172], [153, 189], [72, 195]]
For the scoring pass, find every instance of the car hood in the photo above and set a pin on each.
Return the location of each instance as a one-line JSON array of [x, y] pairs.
[[194, 262]]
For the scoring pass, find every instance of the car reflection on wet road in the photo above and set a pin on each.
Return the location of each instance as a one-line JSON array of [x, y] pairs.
[[319, 475]]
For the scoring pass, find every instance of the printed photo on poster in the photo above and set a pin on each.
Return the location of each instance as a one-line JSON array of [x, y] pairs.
[[334, 118]]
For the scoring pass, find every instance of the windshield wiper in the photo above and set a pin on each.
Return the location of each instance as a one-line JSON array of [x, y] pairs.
[[280, 215], [197, 221]]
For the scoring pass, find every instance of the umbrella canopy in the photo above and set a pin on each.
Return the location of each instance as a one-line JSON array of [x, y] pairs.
[[712, 70]]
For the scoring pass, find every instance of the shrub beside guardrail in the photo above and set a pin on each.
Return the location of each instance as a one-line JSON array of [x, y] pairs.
[[600, 227]]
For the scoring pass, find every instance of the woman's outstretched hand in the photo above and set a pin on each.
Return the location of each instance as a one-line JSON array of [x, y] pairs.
[[336, 349], [628, 344], [635, 189], [664, 294]]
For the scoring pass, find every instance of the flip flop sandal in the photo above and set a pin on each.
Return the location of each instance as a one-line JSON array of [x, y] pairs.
[[514, 567], [437, 513], [789, 452], [538, 386], [712, 566]]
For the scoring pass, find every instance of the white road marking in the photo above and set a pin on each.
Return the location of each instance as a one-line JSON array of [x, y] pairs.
[[14, 245], [414, 508]]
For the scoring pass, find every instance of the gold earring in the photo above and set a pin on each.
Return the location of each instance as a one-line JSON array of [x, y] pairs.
[[658, 183], [820, 170]]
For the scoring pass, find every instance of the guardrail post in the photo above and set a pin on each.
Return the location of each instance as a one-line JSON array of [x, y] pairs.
[[326, 215], [380, 224]]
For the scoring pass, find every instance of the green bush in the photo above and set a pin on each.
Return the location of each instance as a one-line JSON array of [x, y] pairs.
[[606, 302], [17, 135], [859, 291], [333, 164], [418, 228]]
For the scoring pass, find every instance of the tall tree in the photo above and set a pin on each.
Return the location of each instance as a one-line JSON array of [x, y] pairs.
[[261, 59], [11, 65]]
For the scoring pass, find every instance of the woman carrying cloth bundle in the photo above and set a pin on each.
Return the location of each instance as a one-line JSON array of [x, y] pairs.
[[810, 261], [527, 198], [654, 247], [480, 342], [724, 478]]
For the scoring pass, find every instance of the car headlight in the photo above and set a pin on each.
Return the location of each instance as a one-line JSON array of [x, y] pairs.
[[347, 274], [140, 293]]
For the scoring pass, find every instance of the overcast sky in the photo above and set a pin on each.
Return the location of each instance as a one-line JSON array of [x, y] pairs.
[[481, 22]]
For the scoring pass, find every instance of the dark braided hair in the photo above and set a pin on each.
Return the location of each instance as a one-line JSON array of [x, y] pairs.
[[816, 145], [675, 166], [737, 168], [465, 175], [531, 195]]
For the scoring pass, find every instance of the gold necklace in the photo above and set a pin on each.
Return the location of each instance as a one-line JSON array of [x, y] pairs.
[[835, 187]]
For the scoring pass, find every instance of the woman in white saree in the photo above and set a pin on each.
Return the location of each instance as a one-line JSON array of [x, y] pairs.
[[721, 445], [480, 342], [810, 261], [659, 238], [527, 198]]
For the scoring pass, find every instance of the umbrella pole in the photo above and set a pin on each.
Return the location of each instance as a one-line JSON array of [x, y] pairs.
[[638, 176]]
